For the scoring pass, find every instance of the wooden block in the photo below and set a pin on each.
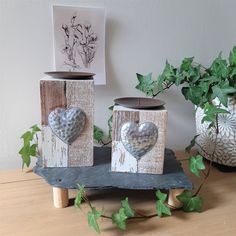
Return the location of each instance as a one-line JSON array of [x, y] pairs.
[[152, 161], [58, 93]]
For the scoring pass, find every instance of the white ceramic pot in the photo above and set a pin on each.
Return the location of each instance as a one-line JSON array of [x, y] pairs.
[[225, 152]]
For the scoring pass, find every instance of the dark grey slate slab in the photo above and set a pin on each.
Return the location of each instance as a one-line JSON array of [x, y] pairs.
[[99, 176]]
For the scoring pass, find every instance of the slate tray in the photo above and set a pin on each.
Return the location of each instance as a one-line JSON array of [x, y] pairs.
[[99, 176]]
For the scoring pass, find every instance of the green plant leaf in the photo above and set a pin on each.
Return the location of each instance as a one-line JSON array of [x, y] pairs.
[[119, 218], [33, 150], [186, 63], [25, 155], [145, 84], [193, 94], [161, 196], [190, 203], [93, 216], [27, 136], [162, 209], [35, 128], [196, 164], [192, 144], [98, 134], [169, 72], [128, 210], [79, 196], [219, 67], [232, 56]]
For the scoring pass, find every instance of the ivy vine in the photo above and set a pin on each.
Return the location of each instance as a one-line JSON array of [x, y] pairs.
[[201, 86]]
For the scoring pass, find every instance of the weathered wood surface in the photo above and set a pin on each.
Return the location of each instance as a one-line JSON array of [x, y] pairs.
[[152, 161], [52, 96], [67, 94], [81, 94]]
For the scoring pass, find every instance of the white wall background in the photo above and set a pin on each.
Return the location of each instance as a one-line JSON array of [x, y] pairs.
[[141, 35]]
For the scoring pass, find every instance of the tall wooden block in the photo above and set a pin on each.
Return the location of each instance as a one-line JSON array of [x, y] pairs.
[[66, 94], [122, 159]]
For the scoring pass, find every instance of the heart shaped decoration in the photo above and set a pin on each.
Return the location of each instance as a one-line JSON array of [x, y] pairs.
[[138, 139], [67, 124]]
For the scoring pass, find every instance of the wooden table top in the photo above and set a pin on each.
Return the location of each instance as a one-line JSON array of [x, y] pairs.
[[26, 208]]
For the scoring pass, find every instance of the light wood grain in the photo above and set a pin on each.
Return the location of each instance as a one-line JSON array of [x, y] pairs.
[[60, 197], [26, 209], [152, 161], [52, 96], [81, 94], [57, 93]]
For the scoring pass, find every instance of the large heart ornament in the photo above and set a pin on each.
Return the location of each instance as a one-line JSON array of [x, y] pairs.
[[67, 124], [138, 139]]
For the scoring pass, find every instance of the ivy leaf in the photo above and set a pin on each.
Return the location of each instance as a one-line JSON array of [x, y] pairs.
[[35, 128], [211, 111], [219, 67], [161, 208], [79, 196], [190, 203], [232, 56], [168, 72], [161, 196], [196, 164], [160, 81], [98, 134], [25, 155], [222, 92], [193, 93], [120, 218], [128, 210], [33, 150], [192, 144], [186, 63], [27, 137], [93, 216], [145, 84]]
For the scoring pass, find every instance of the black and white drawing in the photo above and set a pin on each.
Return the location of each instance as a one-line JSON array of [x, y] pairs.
[[79, 40]]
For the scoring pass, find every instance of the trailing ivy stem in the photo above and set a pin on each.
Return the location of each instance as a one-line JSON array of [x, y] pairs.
[[206, 175], [167, 87]]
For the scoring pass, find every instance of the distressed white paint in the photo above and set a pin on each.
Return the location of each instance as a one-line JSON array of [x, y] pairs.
[[151, 162], [122, 161], [54, 150]]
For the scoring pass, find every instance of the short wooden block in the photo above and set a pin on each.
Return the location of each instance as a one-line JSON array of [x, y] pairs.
[[152, 161], [59, 93]]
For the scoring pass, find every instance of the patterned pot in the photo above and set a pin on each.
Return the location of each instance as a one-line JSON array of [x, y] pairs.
[[225, 152]]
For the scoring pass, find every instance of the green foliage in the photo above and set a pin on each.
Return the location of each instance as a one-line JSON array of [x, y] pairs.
[[192, 144], [201, 85], [30, 145], [79, 196], [98, 134], [161, 208], [190, 203], [119, 218], [93, 216], [196, 164], [128, 210]]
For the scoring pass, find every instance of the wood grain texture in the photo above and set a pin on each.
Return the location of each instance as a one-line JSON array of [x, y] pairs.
[[52, 96], [66, 94], [120, 116], [54, 151], [29, 199], [152, 161], [80, 93]]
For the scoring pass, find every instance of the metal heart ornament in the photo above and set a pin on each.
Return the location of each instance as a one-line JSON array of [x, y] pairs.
[[138, 139], [68, 124]]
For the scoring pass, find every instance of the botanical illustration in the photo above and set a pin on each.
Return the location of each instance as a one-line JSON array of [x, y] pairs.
[[80, 41]]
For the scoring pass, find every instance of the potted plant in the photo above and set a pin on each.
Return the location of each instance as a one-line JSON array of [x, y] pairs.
[[213, 92]]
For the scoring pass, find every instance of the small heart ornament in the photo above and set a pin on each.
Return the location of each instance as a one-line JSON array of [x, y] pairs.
[[68, 124], [138, 139]]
